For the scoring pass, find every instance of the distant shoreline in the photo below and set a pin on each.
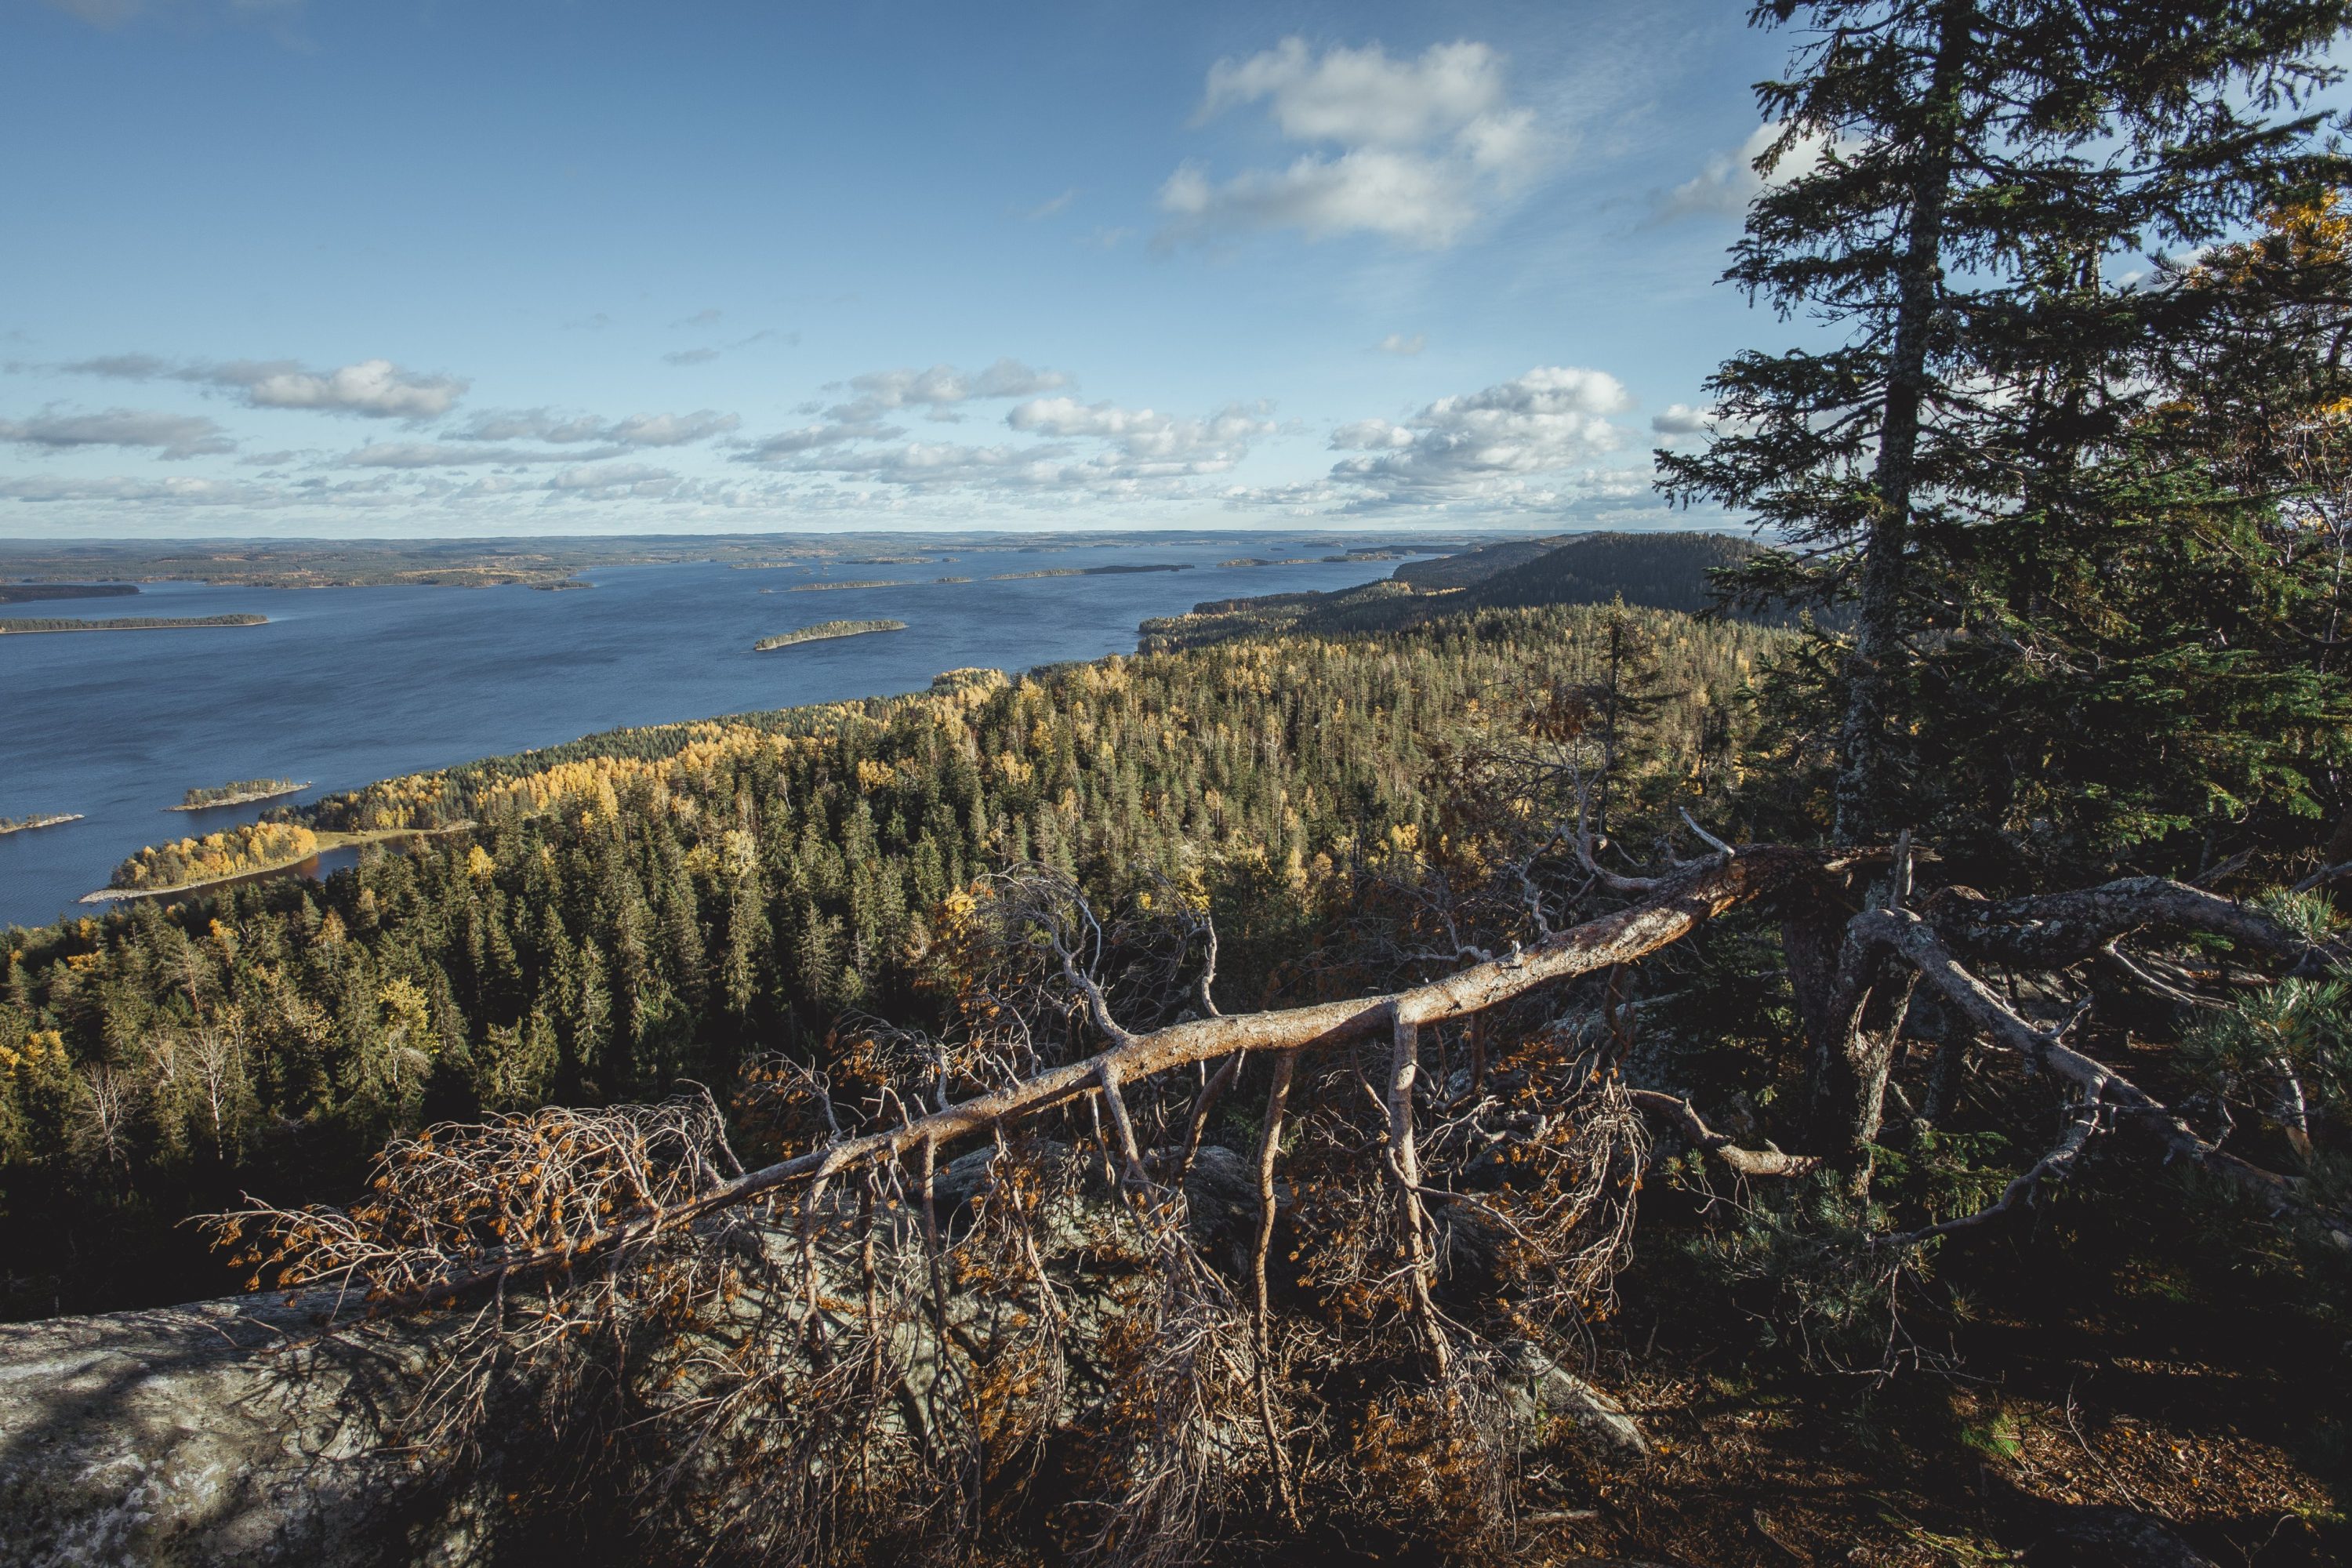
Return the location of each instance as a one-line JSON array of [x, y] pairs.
[[22, 628], [40, 593]]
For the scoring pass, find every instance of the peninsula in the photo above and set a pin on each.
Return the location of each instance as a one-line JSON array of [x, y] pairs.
[[242, 854], [824, 630], [38, 819], [241, 792], [130, 624]]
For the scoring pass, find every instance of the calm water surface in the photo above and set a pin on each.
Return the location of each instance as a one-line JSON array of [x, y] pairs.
[[348, 685]]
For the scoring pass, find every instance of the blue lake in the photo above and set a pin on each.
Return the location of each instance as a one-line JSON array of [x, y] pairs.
[[345, 686]]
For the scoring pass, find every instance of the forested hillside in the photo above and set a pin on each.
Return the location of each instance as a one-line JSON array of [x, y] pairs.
[[1401, 1077], [1653, 571], [656, 904]]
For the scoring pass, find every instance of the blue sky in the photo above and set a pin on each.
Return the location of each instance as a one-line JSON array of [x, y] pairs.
[[303, 268]]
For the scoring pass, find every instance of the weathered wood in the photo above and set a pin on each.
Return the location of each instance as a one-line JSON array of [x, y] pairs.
[[1675, 908]]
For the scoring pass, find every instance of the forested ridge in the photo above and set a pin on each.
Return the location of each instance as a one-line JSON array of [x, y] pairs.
[[651, 904]]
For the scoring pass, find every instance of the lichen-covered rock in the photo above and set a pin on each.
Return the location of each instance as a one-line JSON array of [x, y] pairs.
[[205, 1434]]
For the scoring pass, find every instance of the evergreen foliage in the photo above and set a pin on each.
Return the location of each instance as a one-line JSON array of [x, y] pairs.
[[1953, 184], [654, 904]]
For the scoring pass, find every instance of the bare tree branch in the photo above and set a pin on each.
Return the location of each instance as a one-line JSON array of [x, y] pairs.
[[1746, 1162]]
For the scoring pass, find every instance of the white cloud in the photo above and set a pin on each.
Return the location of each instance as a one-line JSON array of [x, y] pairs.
[[637, 430], [707, 317], [1728, 182], [788, 444], [1417, 150], [1682, 419], [690, 356], [1361, 96], [1086, 451], [615, 478], [448, 455], [1398, 343], [1371, 190], [1146, 437], [1533, 439], [1369, 436], [375, 388], [173, 436], [939, 389], [1052, 205], [183, 490]]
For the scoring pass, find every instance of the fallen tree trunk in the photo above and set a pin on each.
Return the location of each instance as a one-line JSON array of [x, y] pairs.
[[1679, 904]]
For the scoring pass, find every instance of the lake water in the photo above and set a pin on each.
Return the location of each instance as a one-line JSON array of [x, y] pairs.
[[345, 686]]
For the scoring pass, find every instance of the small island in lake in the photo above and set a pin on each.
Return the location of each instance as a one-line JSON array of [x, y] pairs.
[[38, 819], [1086, 572], [828, 587], [131, 623], [241, 792], [825, 629]]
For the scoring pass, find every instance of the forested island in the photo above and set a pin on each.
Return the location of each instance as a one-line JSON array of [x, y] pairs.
[[29, 593], [829, 587], [129, 624], [1119, 571], [824, 630], [38, 819], [241, 792]]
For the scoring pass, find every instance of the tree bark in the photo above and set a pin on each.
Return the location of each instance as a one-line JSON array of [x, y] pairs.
[[1864, 763]]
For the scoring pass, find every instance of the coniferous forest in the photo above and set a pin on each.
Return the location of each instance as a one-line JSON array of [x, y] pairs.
[[1860, 1072]]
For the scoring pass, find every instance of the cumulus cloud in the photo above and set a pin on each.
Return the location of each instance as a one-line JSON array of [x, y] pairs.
[[1417, 150], [172, 436], [614, 479], [559, 429], [1534, 438], [1398, 343], [1682, 419], [1083, 451], [373, 388], [1728, 182], [1148, 441]]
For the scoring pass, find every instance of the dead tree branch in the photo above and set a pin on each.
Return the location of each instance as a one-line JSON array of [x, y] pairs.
[[1674, 908]]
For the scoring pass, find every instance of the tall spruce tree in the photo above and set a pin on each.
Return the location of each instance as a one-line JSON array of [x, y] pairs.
[[1960, 175]]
